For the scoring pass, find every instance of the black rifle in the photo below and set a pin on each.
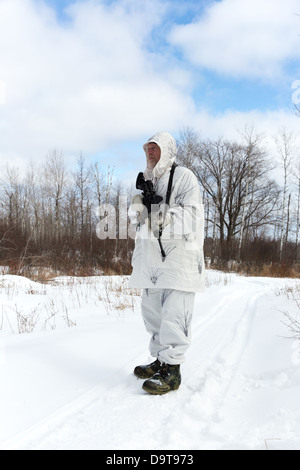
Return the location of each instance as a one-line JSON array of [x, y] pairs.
[[151, 198]]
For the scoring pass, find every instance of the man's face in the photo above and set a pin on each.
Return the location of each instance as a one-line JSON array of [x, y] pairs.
[[153, 153]]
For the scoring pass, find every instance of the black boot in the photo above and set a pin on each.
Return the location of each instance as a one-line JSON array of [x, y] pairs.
[[166, 380], [146, 372]]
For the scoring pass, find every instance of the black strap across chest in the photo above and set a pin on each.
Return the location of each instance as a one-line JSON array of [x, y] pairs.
[[168, 197]]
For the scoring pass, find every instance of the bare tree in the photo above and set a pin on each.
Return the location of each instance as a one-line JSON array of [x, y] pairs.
[[296, 175], [235, 177], [83, 186], [189, 144], [11, 195], [97, 177], [55, 180], [285, 143]]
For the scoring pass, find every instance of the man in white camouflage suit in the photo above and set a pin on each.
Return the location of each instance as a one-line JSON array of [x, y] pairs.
[[168, 262]]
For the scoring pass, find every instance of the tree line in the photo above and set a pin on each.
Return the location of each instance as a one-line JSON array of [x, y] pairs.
[[251, 197], [48, 214], [48, 219]]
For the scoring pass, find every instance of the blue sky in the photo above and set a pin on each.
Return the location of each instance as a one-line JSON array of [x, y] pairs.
[[99, 77]]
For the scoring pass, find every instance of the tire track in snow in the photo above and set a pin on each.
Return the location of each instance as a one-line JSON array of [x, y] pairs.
[[119, 409], [222, 352], [206, 385]]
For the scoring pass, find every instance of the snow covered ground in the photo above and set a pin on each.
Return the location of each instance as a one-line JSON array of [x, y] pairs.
[[68, 348]]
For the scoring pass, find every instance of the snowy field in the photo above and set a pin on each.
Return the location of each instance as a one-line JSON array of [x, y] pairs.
[[68, 349]]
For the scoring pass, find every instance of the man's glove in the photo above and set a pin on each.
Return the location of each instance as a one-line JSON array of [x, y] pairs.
[[138, 212]]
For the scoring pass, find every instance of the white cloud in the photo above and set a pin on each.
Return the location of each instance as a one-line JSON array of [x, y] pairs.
[[83, 84], [90, 83], [243, 38], [230, 123]]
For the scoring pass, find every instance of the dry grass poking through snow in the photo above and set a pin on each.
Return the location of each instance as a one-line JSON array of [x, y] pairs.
[[27, 306]]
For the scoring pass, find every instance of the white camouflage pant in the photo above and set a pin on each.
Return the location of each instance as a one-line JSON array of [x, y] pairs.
[[168, 316]]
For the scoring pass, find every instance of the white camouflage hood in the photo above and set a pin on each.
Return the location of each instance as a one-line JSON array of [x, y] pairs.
[[168, 149]]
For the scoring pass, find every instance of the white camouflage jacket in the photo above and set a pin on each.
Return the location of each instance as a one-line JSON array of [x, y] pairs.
[[183, 229]]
